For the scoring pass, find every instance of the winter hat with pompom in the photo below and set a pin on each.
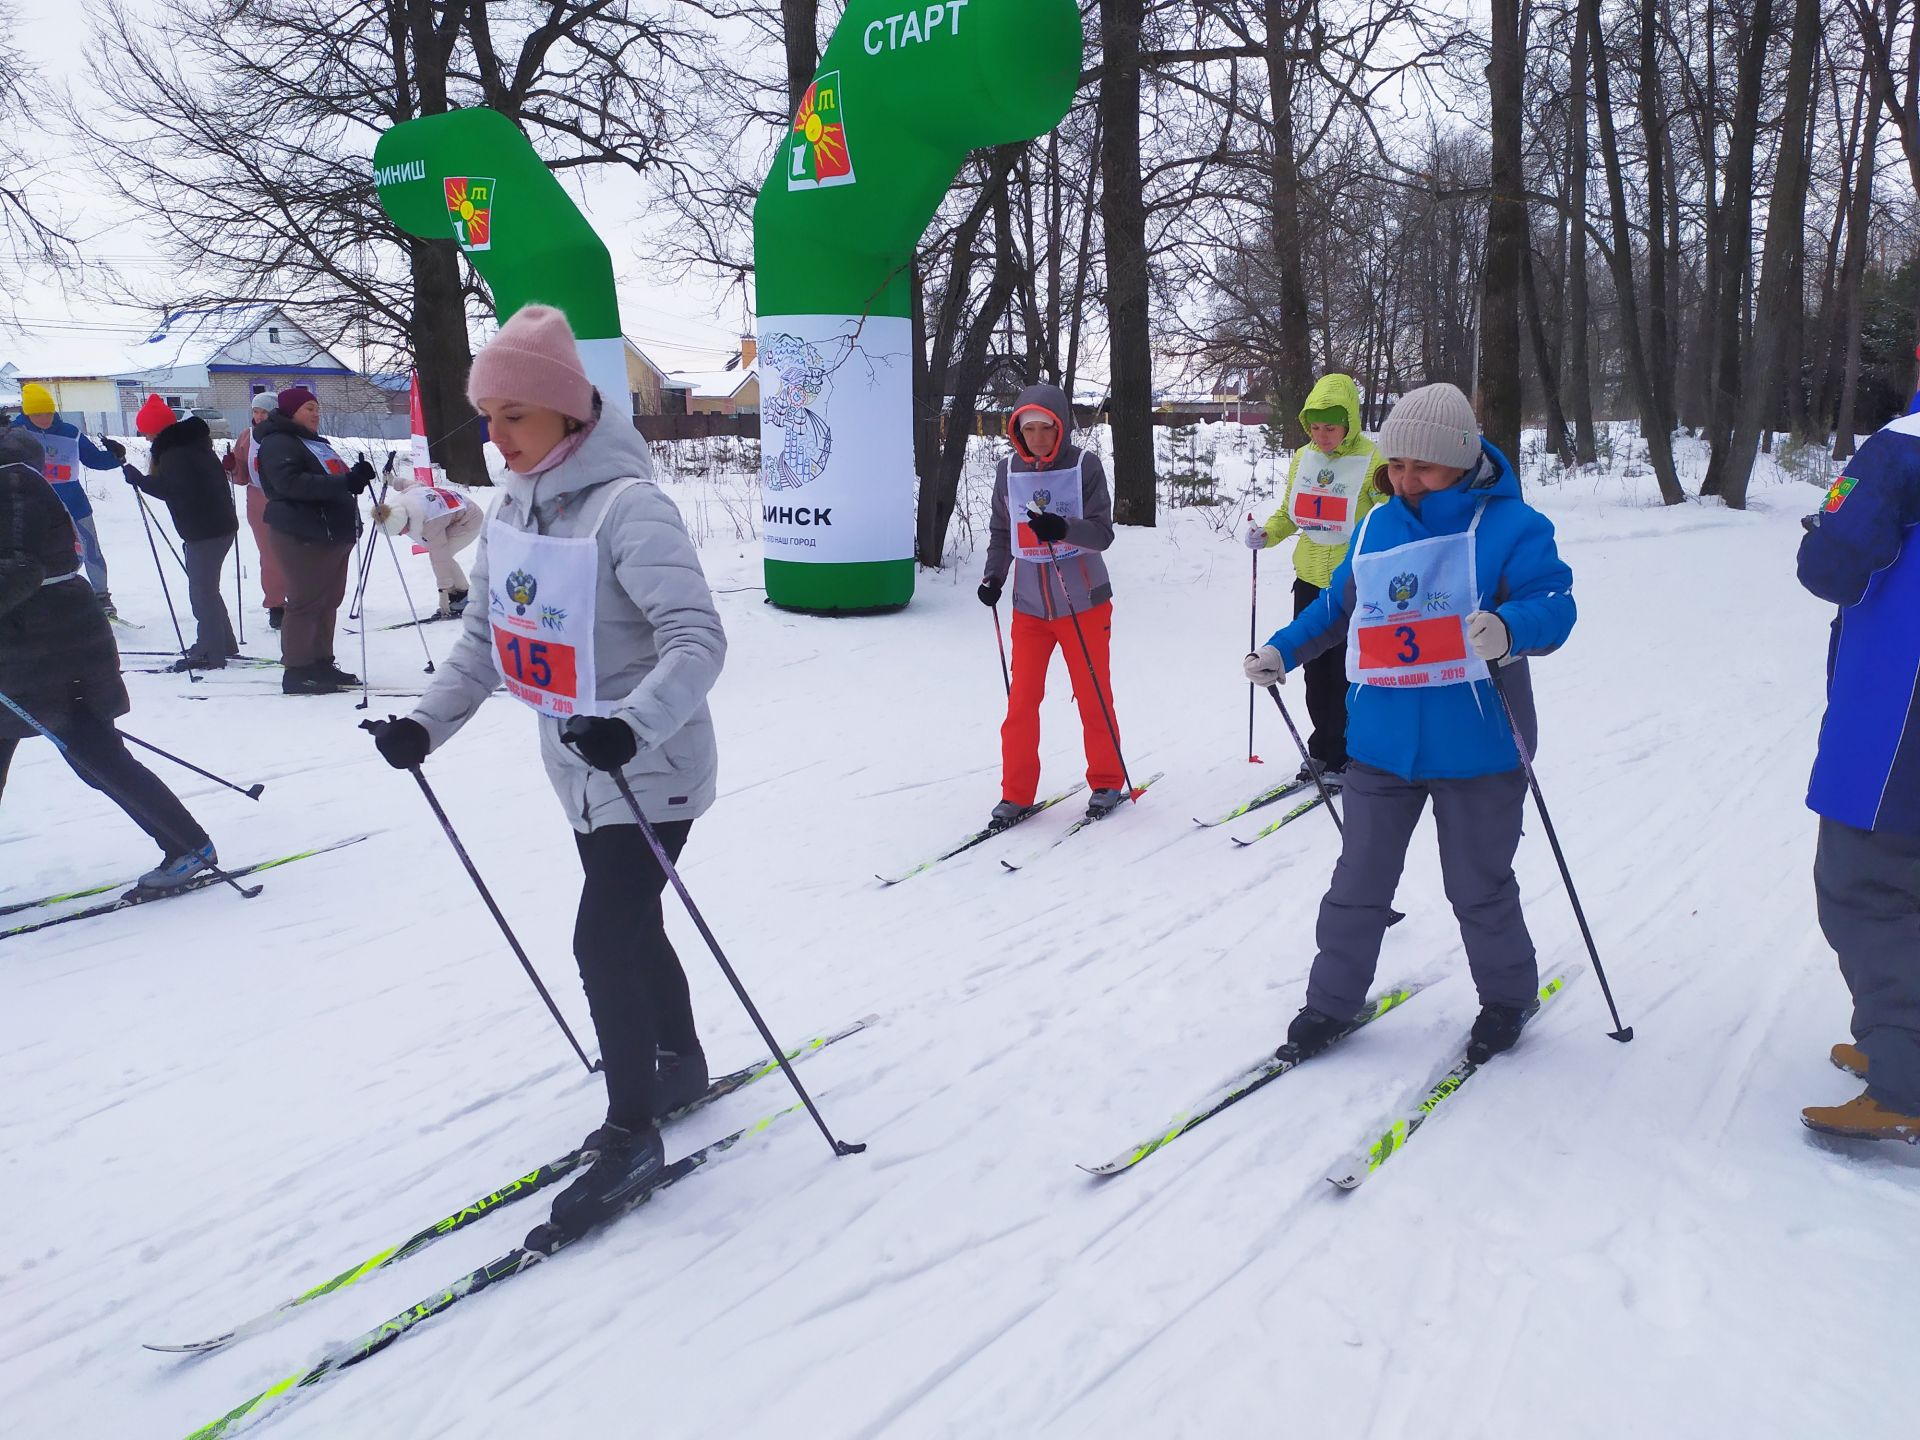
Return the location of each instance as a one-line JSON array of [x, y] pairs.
[[534, 360], [155, 416], [1436, 424]]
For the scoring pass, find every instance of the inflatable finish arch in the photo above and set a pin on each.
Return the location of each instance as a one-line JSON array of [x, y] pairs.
[[472, 175]]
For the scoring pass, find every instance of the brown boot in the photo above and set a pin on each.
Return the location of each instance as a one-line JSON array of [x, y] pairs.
[[1862, 1118], [1850, 1058]]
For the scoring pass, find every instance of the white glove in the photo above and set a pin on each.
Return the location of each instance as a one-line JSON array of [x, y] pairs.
[[1256, 537], [1264, 667], [1488, 635]]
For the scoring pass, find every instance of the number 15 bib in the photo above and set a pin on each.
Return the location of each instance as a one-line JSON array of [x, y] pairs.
[[541, 598], [1410, 608]]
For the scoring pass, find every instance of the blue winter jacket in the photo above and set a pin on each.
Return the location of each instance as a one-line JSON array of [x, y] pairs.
[[1859, 553], [1452, 732], [72, 493]]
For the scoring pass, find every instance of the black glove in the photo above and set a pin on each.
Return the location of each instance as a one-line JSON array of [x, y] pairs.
[[989, 592], [361, 476], [131, 475], [603, 743], [114, 448], [1047, 526], [403, 743]]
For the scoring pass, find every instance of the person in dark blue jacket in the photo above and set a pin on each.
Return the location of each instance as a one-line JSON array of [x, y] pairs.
[[67, 451], [1860, 554], [1452, 576]]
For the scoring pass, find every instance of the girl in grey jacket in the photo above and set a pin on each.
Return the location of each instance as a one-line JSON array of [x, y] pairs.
[[590, 607]]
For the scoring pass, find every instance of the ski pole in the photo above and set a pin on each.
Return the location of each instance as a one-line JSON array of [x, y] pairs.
[[365, 556], [239, 591], [374, 727], [247, 892], [252, 792], [405, 590], [1000, 637], [1113, 731], [1326, 795], [665, 862], [1622, 1033], [1253, 643], [146, 519]]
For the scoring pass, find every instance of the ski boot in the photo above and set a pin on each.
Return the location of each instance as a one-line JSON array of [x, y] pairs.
[[178, 868], [1496, 1029], [679, 1079], [1102, 803], [345, 679], [1311, 1032], [1006, 813], [310, 680], [622, 1166]]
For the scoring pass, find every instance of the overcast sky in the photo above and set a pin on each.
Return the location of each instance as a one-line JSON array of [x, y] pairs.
[[684, 325]]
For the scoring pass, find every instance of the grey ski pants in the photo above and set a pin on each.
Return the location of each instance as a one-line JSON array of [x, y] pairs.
[[1479, 826], [1868, 888], [206, 564]]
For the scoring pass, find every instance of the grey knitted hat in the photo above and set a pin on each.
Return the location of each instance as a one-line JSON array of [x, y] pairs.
[[1435, 423]]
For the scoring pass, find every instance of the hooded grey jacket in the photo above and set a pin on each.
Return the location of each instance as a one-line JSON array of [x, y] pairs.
[[658, 643], [1079, 581]]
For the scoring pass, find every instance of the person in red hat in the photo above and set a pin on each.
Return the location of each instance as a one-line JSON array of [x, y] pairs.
[[314, 518], [187, 474]]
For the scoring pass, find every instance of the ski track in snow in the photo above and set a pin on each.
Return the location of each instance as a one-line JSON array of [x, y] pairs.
[[217, 1103]]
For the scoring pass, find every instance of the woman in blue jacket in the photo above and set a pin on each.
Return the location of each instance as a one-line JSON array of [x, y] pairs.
[[1452, 576]]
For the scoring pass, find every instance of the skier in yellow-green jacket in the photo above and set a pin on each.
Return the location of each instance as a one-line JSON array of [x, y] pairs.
[[1331, 485]]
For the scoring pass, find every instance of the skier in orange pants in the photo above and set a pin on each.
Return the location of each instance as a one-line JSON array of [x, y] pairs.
[[1067, 521]]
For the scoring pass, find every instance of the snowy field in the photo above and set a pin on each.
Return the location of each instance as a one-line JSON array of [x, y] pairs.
[[211, 1104]]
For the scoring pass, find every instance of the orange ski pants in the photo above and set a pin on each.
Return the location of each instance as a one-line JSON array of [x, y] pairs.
[[1034, 640]]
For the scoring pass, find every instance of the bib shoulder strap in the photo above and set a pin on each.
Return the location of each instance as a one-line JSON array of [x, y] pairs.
[[614, 492]]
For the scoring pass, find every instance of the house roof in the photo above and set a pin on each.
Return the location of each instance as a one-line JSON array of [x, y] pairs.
[[180, 353], [667, 381], [718, 384]]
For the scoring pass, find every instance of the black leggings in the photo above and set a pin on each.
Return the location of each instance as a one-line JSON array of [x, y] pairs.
[[97, 754], [635, 986], [1326, 682]]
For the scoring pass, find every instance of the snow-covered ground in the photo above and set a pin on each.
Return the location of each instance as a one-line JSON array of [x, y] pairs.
[[211, 1103]]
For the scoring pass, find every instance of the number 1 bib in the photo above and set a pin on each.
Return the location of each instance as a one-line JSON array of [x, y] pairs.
[[1326, 494], [541, 598], [1057, 492], [1410, 608]]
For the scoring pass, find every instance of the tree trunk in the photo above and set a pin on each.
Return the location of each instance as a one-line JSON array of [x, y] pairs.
[[1507, 239], [801, 22], [442, 356], [1293, 370], [1124, 215], [1659, 297], [1557, 438], [1737, 223], [1786, 215], [1848, 303], [1620, 261], [1579, 373]]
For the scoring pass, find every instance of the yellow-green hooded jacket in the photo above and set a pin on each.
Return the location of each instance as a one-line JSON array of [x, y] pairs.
[[1314, 562]]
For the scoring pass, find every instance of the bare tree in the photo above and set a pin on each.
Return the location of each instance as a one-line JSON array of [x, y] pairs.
[[30, 235], [243, 131]]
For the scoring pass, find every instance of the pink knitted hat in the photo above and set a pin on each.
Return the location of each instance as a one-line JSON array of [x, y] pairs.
[[533, 360]]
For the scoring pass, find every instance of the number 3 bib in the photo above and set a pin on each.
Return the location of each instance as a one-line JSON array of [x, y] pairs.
[[541, 595], [1410, 608]]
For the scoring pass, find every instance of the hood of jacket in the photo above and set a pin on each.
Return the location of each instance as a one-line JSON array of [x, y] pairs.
[[1053, 400], [65, 429], [1331, 392], [1449, 511], [19, 445], [278, 424], [182, 434], [611, 450]]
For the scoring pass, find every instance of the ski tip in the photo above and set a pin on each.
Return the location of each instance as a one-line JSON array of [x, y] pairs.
[[1345, 1184], [1011, 868], [192, 1347]]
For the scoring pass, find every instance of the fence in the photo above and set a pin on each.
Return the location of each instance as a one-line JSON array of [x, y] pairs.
[[985, 422]]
